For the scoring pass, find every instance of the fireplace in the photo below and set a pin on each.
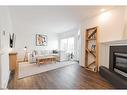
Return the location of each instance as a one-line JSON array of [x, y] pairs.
[[118, 59], [120, 63], [116, 74]]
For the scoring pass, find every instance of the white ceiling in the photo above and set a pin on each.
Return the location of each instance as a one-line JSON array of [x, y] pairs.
[[53, 18]]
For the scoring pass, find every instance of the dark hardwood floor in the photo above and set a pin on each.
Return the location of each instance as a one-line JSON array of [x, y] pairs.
[[69, 77]]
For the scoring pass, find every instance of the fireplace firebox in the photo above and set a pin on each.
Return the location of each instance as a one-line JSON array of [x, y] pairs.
[[118, 59], [120, 63]]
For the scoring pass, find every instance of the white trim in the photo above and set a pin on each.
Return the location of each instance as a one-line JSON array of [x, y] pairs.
[[124, 41]]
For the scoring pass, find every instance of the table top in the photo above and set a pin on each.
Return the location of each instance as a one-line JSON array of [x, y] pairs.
[[46, 57]]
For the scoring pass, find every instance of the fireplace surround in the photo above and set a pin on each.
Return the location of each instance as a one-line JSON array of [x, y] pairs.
[[117, 72]]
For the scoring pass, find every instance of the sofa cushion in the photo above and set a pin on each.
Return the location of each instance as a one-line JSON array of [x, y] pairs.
[[46, 52]]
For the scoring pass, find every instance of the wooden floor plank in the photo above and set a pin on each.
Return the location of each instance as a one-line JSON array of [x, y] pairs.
[[69, 77]]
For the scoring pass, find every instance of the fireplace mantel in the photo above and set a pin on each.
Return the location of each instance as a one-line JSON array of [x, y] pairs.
[[117, 79], [124, 41], [104, 51]]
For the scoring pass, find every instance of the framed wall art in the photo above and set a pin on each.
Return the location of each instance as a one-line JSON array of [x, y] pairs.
[[41, 40]]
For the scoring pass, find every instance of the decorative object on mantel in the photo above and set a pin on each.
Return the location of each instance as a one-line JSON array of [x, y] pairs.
[[91, 49], [25, 57], [41, 40], [12, 40]]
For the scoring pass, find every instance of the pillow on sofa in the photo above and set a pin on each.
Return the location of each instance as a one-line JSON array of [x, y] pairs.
[[55, 51], [42, 52], [46, 52]]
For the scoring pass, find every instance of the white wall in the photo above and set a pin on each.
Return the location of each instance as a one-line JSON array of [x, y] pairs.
[[72, 33], [125, 28], [5, 25], [26, 36], [111, 24]]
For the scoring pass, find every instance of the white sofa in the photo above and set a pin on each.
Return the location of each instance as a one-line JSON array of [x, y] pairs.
[[35, 53]]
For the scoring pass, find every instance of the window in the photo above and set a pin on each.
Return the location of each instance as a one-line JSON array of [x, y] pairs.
[[67, 45]]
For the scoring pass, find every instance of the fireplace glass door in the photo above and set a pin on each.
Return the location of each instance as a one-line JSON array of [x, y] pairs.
[[121, 61]]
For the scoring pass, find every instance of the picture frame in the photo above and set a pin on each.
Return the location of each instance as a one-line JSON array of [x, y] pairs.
[[41, 40]]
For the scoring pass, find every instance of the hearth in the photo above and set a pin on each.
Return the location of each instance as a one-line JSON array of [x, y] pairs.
[[117, 72]]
